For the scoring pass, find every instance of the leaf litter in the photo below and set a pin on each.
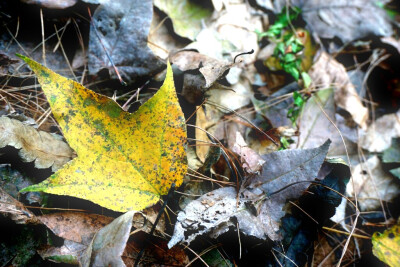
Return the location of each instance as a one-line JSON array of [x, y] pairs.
[[241, 103]]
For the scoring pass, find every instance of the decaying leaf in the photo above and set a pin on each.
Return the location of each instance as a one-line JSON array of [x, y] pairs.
[[109, 243], [372, 185], [75, 226], [69, 252], [123, 27], [186, 15], [386, 245], [212, 213], [125, 161], [45, 149], [380, 133], [328, 73], [15, 209]]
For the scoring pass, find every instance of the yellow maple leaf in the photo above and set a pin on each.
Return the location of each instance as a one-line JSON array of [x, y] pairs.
[[386, 245], [125, 161]]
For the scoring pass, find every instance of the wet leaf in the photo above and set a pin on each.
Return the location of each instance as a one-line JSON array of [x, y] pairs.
[[123, 27], [386, 245], [109, 243], [45, 149], [125, 161]]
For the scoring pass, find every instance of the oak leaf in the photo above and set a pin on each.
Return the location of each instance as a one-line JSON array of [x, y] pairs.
[[125, 161]]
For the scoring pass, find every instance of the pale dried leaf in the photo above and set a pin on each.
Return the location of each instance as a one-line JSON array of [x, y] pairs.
[[328, 73], [379, 134], [109, 243], [372, 184], [43, 148]]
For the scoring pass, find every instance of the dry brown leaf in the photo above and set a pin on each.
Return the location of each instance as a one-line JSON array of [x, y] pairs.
[[75, 226], [15, 209], [45, 149], [326, 73], [81, 227]]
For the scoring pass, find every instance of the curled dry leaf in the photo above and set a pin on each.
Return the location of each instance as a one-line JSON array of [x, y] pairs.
[[213, 212], [379, 134], [328, 73], [15, 210], [212, 69], [372, 184], [251, 160], [45, 149]]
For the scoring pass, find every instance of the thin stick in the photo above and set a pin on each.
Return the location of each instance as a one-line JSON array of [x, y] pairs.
[[43, 42], [124, 107], [345, 233], [65, 55]]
